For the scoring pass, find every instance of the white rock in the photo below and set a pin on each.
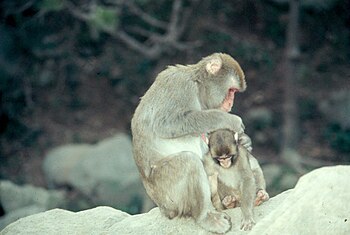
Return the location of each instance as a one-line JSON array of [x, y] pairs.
[[60, 162], [12, 216], [317, 205], [105, 172], [58, 221], [14, 197], [20, 201]]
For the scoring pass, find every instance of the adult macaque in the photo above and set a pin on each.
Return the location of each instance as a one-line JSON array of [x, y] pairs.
[[233, 179], [182, 103]]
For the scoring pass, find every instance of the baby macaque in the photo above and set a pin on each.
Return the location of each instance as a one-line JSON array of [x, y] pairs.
[[235, 176]]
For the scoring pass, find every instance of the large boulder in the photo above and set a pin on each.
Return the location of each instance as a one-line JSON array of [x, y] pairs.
[[104, 172], [317, 205], [20, 201]]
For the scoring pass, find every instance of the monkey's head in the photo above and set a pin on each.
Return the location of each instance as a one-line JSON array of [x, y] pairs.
[[223, 147], [221, 77]]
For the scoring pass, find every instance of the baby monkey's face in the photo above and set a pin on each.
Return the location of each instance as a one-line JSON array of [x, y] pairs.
[[223, 147], [226, 159]]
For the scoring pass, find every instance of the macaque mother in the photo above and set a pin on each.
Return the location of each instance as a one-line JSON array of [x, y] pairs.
[[183, 103]]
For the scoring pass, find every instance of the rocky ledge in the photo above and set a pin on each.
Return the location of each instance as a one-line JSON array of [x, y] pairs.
[[319, 204]]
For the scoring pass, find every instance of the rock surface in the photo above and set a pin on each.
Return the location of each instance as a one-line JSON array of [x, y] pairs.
[[19, 201], [104, 172], [317, 205]]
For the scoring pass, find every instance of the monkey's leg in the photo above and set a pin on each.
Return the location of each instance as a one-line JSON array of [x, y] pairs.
[[261, 194], [180, 187], [215, 198], [247, 202]]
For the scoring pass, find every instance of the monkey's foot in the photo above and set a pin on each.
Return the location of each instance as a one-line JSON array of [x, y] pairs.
[[247, 224], [229, 202], [261, 196], [216, 222], [169, 213]]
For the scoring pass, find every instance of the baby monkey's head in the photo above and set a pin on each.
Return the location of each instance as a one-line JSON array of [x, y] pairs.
[[223, 147]]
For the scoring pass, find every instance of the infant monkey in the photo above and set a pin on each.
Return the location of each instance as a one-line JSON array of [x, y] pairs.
[[235, 175]]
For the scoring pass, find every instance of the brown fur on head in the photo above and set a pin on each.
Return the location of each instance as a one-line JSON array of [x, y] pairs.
[[231, 65], [221, 64], [219, 76]]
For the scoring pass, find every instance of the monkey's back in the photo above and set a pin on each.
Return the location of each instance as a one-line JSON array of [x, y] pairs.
[[162, 101]]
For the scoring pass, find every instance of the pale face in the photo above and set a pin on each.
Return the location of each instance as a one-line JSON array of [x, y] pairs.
[[230, 97], [225, 161], [229, 100]]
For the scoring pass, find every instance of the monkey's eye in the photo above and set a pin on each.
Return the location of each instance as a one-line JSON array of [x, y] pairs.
[[233, 156]]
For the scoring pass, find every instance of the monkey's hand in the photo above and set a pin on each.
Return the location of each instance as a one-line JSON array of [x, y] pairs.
[[247, 224], [261, 196], [236, 124], [230, 201], [245, 140]]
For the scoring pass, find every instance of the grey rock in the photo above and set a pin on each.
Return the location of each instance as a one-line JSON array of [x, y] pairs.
[[60, 162], [317, 205], [14, 197], [19, 213], [58, 221], [104, 172], [20, 201]]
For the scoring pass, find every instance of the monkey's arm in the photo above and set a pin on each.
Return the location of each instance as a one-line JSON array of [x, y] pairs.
[[197, 122], [212, 174], [260, 184], [215, 198], [245, 140], [258, 173]]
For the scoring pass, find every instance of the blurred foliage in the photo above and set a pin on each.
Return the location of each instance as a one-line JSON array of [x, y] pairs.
[[104, 18], [50, 5], [47, 49], [308, 109], [338, 137]]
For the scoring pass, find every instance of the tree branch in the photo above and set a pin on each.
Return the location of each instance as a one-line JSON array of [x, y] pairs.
[[290, 129], [156, 43], [144, 16]]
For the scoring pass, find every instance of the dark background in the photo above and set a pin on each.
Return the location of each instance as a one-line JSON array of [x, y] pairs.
[[73, 72]]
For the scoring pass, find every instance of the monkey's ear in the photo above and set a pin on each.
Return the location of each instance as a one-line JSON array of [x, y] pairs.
[[236, 137], [214, 65]]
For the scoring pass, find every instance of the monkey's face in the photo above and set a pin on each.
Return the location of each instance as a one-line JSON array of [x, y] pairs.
[[223, 147], [225, 78], [229, 100], [225, 161]]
